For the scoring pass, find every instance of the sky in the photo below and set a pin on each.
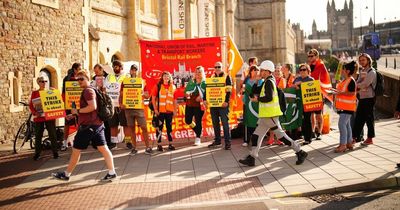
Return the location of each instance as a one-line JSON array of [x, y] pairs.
[[304, 12]]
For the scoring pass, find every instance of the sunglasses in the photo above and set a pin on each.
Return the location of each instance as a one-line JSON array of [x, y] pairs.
[[80, 78], [310, 56], [302, 69], [217, 67], [42, 81]]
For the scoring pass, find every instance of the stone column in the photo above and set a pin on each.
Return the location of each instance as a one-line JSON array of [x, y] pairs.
[[165, 19], [230, 19], [279, 31], [220, 18], [133, 25]]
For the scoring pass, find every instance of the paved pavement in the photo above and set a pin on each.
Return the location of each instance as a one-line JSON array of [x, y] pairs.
[[196, 175]]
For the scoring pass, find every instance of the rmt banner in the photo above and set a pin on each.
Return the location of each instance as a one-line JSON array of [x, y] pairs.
[[180, 58]]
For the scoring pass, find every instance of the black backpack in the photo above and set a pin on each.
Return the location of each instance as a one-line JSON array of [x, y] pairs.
[[380, 84], [105, 107]]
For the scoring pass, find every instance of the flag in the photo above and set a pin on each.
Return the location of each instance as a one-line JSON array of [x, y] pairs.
[[235, 60], [235, 63]]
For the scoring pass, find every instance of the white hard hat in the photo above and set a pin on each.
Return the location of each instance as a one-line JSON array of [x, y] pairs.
[[267, 65]]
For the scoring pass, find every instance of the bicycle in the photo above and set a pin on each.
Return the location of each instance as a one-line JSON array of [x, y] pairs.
[[25, 133]]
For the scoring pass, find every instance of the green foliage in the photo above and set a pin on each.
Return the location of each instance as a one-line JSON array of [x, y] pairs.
[[331, 63]]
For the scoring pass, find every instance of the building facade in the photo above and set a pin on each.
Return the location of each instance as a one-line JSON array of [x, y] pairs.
[[45, 37]]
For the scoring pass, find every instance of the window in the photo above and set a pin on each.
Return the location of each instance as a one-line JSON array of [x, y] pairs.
[[154, 7], [142, 6], [255, 36]]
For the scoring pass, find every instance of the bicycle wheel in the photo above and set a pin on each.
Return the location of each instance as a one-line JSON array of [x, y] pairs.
[[32, 136], [20, 138]]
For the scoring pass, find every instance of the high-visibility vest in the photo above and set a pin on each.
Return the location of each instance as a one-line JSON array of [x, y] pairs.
[[112, 79], [345, 102], [272, 108], [166, 100]]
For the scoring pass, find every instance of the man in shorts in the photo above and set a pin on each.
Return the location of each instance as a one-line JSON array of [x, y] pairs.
[[91, 130], [136, 115]]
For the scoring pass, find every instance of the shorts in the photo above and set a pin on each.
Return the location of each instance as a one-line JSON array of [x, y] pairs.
[[118, 118], [89, 134], [135, 114]]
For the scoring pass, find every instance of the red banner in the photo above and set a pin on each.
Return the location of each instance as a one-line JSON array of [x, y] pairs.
[[180, 58]]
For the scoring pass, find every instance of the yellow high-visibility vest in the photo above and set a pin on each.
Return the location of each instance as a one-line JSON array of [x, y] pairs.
[[272, 108]]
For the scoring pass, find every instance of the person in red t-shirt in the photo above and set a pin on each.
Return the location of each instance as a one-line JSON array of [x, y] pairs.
[[319, 72], [91, 131], [165, 107], [40, 122]]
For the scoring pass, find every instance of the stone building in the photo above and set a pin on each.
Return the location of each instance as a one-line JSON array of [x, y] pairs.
[[261, 30], [340, 26], [45, 37]]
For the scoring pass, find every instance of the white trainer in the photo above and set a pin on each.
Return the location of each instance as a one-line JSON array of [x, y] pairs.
[[245, 144], [197, 141]]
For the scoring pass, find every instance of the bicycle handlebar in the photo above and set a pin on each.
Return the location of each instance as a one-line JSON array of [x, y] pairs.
[[23, 103]]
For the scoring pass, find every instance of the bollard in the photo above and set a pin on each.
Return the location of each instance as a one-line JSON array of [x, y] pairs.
[[394, 63], [386, 62]]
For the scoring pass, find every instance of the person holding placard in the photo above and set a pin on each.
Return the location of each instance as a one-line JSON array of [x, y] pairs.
[[71, 76], [165, 107], [268, 117], [90, 131], [250, 111], [306, 128], [40, 122], [98, 82], [132, 94], [346, 104], [112, 84], [222, 111], [195, 92]]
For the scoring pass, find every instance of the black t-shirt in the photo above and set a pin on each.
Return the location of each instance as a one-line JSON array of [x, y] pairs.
[[351, 88]]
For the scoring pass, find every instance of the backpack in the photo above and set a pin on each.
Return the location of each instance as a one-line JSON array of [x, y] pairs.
[[380, 84], [105, 107], [282, 100]]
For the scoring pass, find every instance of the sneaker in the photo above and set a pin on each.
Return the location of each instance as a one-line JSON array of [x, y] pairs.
[[306, 142], [398, 165], [60, 176], [133, 152], [159, 148], [197, 141], [129, 145], [63, 148], [245, 144], [108, 178], [171, 147], [280, 143], [248, 161], [301, 156], [318, 136], [367, 142], [312, 135], [227, 146], [148, 151], [112, 146], [36, 157], [55, 155], [214, 145]]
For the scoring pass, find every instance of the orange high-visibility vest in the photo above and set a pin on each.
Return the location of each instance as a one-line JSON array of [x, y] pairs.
[[345, 102], [166, 100]]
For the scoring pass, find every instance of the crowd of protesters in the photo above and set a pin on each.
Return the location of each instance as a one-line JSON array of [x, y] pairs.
[[353, 98]]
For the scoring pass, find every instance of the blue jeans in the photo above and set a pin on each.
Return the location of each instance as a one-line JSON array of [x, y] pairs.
[[344, 124], [216, 114]]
